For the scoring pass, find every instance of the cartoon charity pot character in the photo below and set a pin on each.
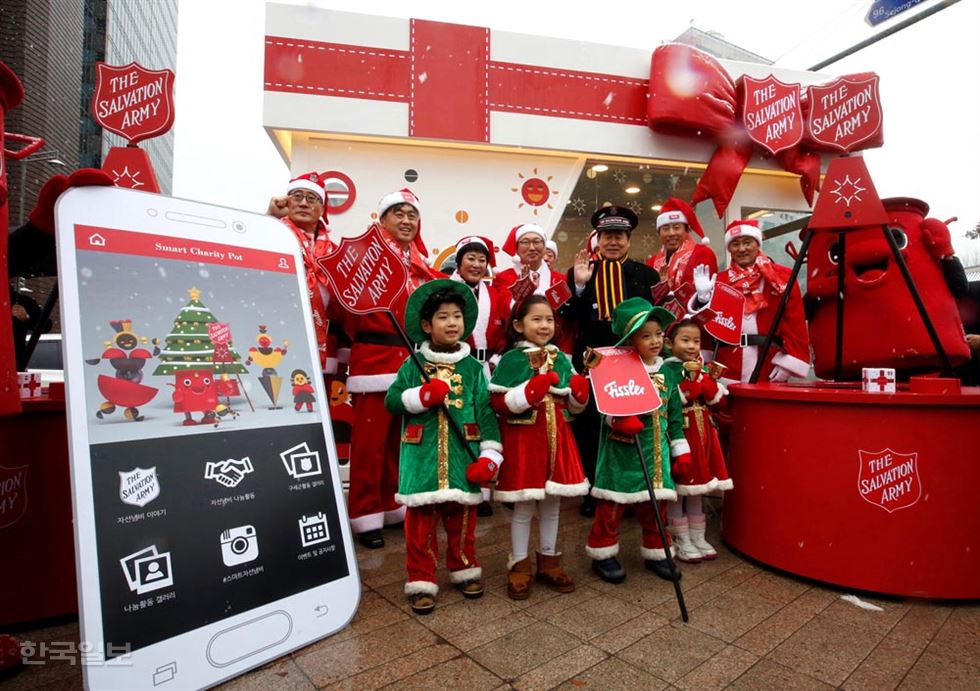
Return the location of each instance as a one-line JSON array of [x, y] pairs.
[[127, 360], [302, 390]]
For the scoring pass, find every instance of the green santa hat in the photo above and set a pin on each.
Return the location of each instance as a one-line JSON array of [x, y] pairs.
[[413, 309], [633, 313]]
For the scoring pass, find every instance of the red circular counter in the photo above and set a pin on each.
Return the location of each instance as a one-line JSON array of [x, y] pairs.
[[869, 491]]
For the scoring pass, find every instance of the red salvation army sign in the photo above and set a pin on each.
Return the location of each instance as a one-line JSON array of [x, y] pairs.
[[621, 385], [132, 101], [771, 113], [844, 113], [365, 273], [889, 479], [727, 303]]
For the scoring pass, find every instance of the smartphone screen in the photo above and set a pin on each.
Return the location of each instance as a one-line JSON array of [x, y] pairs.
[[203, 466]]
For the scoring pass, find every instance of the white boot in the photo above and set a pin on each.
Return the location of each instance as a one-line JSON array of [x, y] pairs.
[[681, 536], [696, 526]]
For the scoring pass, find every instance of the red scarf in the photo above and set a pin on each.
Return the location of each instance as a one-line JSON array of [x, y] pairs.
[[674, 269], [752, 280], [418, 270], [313, 249]]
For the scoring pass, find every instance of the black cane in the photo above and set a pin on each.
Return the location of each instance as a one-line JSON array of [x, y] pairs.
[[418, 363], [839, 333], [41, 320], [674, 575]]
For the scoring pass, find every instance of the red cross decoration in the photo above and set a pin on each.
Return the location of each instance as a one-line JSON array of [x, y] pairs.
[[883, 379], [30, 384]]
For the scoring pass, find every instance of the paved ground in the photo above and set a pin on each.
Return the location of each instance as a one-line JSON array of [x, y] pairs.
[[749, 628]]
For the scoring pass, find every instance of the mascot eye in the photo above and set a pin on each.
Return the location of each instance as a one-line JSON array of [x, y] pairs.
[[901, 239], [207, 381], [187, 382], [833, 253]]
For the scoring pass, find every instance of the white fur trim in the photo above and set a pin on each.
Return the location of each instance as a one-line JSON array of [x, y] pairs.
[[655, 367], [671, 217], [657, 554], [680, 395], [471, 574], [602, 552], [516, 399], [372, 521], [330, 365], [492, 450], [494, 359], [485, 493], [343, 355], [421, 588], [441, 358], [301, 184], [438, 496], [398, 197], [529, 494], [679, 447], [724, 485], [412, 400], [722, 392], [662, 494], [574, 407], [395, 516], [743, 230], [694, 490], [559, 490], [370, 383], [792, 364]]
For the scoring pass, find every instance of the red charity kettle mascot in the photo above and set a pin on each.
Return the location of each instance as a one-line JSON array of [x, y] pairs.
[[882, 327]]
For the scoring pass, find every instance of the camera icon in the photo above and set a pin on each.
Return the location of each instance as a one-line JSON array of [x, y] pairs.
[[239, 545]]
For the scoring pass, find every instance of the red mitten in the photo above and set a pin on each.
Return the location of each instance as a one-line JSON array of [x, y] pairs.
[[680, 466], [482, 470], [935, 234], [538, 386], [690, 389], [709, 388], [433, 393], [630, 425], [580, 388], [43, 214]]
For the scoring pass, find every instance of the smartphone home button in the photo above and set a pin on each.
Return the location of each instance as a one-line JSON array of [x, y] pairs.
[[248, 638]]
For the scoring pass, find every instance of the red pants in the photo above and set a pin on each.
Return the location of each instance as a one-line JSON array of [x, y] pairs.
[[422, 547], [604, 536], [375, 437]]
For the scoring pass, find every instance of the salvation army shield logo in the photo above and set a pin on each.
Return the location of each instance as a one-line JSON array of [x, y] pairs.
[[889, 479], [139, 486], [771, 113], [132, 101], [845, 115], [13, 494], [365, 273]]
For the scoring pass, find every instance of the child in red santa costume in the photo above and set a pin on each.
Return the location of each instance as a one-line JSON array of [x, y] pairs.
[[680, 253], [762, 283], [534, 390], [707, 471], [376, 353]]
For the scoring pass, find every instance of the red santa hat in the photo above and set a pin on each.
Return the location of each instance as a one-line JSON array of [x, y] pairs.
[[518, 232], [743, 229], [675, 210], [405, 196], [551, 245], [308, 181], [592, 243], [483, 242]]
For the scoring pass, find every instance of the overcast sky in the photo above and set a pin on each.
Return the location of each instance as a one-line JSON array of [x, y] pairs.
[[929, 81]]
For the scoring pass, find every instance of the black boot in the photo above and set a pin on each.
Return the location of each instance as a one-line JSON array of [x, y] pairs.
[[372, 539], [609, 570], [484, 509], [587, 508], [661, 568]]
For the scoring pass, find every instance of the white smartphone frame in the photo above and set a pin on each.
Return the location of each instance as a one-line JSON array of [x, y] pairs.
[[140, 212]]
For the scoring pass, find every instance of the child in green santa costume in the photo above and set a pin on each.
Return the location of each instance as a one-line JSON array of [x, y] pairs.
[[619, 475], [437, 479]]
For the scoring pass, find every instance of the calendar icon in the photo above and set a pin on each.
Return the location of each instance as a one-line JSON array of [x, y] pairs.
[[313, 529]]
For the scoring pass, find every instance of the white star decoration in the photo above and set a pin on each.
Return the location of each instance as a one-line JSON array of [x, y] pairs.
[[847, 190], [127, 179], [578, 204]]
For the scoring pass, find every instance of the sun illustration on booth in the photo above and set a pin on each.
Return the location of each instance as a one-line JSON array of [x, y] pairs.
[[535, 191]]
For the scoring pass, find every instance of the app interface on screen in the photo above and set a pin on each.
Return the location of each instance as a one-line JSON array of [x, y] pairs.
[[211, 481]]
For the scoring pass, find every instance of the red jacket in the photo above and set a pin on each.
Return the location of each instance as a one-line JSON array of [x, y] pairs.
[[564, 335]]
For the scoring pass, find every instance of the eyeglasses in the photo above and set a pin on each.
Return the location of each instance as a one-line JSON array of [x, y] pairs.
[[528, 242], [402, 215], [309, 197]]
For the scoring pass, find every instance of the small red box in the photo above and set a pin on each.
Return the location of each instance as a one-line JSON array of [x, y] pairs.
[[934, 385]]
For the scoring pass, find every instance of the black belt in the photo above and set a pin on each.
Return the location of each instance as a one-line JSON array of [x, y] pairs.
[[480, 354], [378, 338], [759, 339]]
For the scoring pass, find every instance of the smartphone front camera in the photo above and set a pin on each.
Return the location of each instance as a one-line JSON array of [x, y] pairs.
[[238, 226]]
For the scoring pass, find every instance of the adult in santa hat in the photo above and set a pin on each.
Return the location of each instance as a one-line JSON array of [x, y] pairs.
[[600, 280], [551, 253], [376, 353], [683, 245], [526, 246], [762, 282], [475, 261]]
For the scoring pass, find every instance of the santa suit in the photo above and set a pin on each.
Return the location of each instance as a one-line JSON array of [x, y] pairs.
[[489, 335], [679, 269], [377, 351], [541, 454], [791, 348], [564, 337]]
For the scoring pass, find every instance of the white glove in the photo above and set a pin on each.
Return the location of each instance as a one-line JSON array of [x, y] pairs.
[[779, 374], [704, 283]]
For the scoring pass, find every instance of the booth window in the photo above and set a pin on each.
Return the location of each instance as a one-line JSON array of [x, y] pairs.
[[780, 232]]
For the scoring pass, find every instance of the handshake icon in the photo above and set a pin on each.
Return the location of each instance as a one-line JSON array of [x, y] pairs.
[[228, 473]]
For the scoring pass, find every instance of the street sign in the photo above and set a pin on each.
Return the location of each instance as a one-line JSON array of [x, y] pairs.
[[883, 10]]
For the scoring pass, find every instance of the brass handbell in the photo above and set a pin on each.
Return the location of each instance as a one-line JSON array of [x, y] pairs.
[[591, 358], [538, 358], [715, 369], [692, 369]]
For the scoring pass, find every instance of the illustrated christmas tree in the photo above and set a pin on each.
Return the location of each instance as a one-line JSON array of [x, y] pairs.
[[189, 346]]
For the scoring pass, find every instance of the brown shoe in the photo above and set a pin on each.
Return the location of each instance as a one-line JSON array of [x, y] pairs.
[[550, 572], [519, 580], [472, 590], [422, 603]]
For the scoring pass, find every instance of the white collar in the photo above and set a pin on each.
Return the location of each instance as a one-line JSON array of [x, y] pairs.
[[655, 367], [527, 345], [441, 358]]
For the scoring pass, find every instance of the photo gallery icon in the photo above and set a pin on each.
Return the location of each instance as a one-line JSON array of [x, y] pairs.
[[300, 462], [147, 570]]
